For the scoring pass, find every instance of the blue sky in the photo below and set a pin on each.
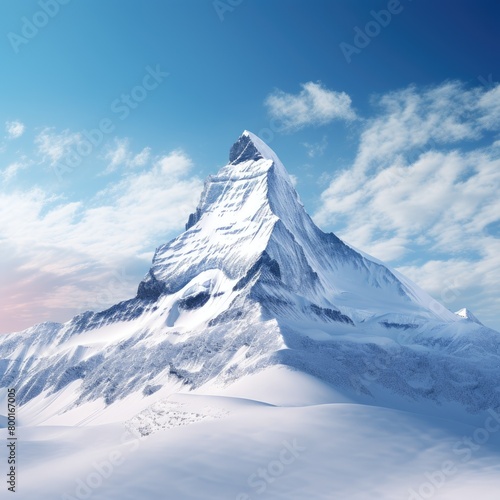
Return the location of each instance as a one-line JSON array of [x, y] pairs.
[[387, 114]]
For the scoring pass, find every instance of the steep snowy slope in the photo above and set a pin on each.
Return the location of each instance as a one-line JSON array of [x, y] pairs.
[[252, 283]]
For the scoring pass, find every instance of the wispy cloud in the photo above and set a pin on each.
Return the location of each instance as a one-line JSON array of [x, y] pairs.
[[313, 105], [12, 170], [423, 189], [14, 129], [54, 146], [119, 154], [316, 148], [412, 120], [54, 248]]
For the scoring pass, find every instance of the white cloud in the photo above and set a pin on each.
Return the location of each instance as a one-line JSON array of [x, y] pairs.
[[117, 156], [412, 121], [313, 105], [120, 155], [316, 148], [174, 164], [490, 105], [141, 158], [14, 129], [423, 188], [12, 170], [56, 253], [53, 146]]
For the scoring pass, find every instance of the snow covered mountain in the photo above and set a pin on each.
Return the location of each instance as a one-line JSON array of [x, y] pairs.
[[269, 360], [252, 284], [464, 313]]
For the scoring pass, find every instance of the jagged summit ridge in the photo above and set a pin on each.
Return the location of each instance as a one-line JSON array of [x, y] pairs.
[[247, 145], [244, 150]]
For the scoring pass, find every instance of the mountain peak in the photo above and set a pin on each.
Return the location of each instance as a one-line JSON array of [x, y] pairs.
[[249, 147], [466, 314], [244, 149]]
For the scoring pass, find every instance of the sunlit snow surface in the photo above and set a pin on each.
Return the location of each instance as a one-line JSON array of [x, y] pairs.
[[254, 329]]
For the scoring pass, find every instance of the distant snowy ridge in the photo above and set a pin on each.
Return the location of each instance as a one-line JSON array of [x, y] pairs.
[[466, 314]]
